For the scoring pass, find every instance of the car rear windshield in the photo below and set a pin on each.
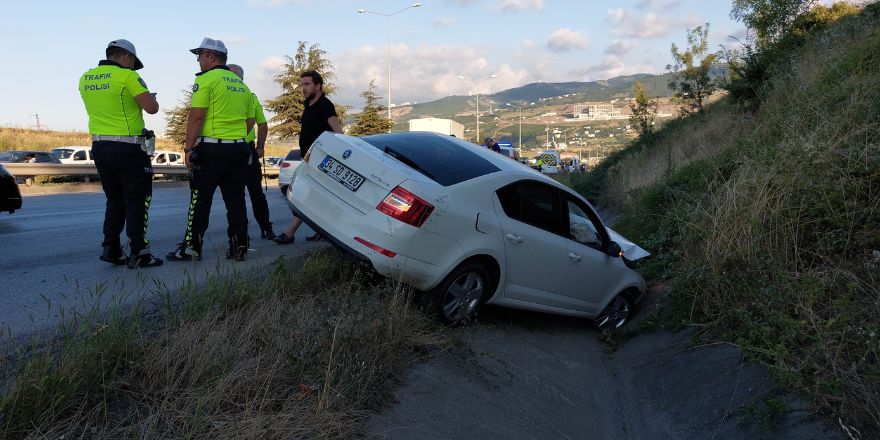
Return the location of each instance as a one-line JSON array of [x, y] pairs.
[[445, 160], [62, 153], [292, 155]]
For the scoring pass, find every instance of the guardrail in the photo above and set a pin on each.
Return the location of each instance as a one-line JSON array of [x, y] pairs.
[[64, 169]]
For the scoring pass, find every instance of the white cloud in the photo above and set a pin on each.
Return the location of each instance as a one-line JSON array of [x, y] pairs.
[[651, 25], [521, 5], [619, 48], [610, 67], [422, 73], [444, 22], [565, 39], [528, 44], [659, 4]]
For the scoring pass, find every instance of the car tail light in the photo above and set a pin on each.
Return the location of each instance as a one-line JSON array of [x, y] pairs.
[[406, 207], [285, 164], [376, 248]]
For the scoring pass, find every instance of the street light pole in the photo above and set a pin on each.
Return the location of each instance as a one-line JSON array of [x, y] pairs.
[[478, 105], [388, 22], [520, 126]]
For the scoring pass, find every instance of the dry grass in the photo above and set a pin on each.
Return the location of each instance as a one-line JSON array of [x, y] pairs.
[[774, 239], [44, 140], [717, 130], [304, 355]]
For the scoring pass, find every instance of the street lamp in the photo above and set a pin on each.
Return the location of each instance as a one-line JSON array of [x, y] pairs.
[[388, 20], [478, 105], [520, 126]]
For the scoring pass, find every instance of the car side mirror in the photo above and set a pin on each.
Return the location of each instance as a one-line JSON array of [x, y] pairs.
[[614, 250]]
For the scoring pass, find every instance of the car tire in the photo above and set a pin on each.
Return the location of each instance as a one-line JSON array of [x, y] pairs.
[[616, 314], [456, 299], [284, 189]]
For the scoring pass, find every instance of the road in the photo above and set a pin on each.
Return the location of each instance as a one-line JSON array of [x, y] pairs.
[[49, 253]]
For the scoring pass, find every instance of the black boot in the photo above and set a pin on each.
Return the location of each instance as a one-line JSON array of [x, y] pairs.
[[113, 255]]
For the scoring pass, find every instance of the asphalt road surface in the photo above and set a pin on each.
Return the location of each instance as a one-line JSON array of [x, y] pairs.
[[49, 254]]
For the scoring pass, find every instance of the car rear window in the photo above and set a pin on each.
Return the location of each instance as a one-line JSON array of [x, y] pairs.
[[445, 160], [293, 155]]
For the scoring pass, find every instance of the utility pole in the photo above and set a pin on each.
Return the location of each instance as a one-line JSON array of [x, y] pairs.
[[37, 116]]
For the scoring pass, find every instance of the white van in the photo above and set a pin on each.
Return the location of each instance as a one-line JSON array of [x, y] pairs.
[[165, 158], [74, 154]]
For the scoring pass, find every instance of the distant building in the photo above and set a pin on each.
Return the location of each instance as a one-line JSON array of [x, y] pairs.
[[437, 125], [597, 111]]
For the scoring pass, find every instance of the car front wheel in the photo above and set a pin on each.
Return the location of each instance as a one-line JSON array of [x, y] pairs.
[[458, 296], [615, 314]]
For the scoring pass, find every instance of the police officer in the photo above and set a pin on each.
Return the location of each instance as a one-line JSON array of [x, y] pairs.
[[221, 115], [115, 96], [255, 171]]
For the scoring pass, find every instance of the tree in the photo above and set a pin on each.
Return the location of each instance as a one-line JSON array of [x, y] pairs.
[[370, 120], [288, 106], [769, 19], [176, 119], [643, 111], [692, 81]]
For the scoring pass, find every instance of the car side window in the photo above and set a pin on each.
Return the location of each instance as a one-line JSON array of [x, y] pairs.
[[582, 226], [533, 203], [79, 155]]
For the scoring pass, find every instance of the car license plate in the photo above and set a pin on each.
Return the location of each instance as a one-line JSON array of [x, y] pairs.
[[341, 173]]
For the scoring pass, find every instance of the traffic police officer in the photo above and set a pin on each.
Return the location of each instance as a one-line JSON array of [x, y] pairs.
[[221, 115], [115, 96], [255, 171]]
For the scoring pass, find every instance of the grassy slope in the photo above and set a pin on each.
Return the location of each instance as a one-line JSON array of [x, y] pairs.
[[768, 224], [300, 354]]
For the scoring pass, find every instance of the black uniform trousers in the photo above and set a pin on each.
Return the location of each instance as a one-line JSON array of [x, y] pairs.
[[226, 166], [127, 177], [255, 190]]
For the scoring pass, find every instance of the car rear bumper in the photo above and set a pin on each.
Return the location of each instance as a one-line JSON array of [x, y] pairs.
[[329, 223]]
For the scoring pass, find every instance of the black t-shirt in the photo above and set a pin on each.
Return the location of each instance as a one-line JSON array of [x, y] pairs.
[[314, 122]]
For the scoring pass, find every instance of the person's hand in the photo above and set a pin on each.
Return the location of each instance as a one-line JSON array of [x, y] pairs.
[[260, 152], [308, 155], [186, 159]]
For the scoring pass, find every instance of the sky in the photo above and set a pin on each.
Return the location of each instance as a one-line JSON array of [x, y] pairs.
[[47, 45]]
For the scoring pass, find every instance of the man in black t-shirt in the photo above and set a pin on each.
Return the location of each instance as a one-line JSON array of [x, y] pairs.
[[319, 115]]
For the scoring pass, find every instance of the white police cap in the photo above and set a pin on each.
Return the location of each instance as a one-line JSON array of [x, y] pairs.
[[128, 46], [210, 44]]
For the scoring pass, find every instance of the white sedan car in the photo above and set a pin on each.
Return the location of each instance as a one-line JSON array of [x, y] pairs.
[[467, 226]]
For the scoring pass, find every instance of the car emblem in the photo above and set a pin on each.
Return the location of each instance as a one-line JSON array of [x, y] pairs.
[[346, 154]]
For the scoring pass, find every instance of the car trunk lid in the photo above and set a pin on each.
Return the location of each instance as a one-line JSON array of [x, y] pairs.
[[346, 154]]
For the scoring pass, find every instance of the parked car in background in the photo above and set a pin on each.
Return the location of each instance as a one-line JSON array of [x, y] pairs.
[[274, 161], [165, 158], [271, 165], [10, 196], [286, 167], [27, 156], [74, 154], [466, 226]]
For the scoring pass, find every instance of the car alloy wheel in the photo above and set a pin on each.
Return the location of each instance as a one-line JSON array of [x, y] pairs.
[[462, 296], [615, 315], [458, 296]]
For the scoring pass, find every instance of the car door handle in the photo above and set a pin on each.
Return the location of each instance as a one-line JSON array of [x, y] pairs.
[[514, 238], [574, 257]]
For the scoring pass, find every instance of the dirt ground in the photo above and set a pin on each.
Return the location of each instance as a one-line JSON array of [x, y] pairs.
[[522, 375]]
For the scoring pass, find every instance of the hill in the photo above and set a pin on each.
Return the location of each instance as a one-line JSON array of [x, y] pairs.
[[761, 214], [536, 94]]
